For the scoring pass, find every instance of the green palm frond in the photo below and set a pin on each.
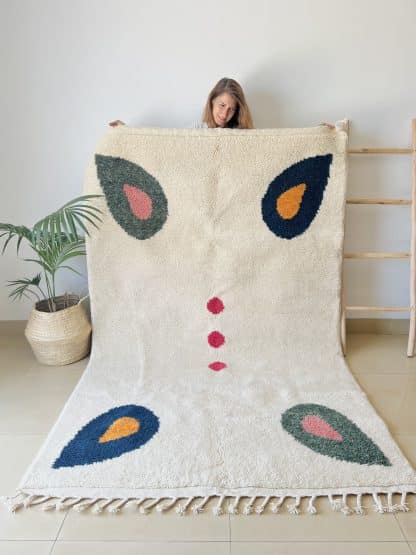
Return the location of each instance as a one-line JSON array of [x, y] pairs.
[[68, 251], [10, 231], [53, 255], [24, 287], [69, 221]]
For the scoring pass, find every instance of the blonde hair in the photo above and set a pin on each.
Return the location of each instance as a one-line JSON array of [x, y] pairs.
[[242, 117]]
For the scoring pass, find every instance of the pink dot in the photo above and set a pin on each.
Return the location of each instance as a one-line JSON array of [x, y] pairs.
[[217, 366], [216, 339], [215, 305], [318, 427], [139, 201]]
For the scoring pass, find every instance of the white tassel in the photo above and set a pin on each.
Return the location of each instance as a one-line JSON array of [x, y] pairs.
[[33, 500], [403, 505], [166, 505], [181, 509], [15, 502], [199, 507], [116, 508], [294, 507], [391, 507], [28, 501], [60, 505], [378, 507], [275, 507], [63, 505], [145, 509], [84, 505], [248, 509], [101, 506], [50, 506], [311, 507], [217, 510], [345, 510], [138, 502], [336, 504], [260, 508], [359, 510], [13, 506], [233, 507]]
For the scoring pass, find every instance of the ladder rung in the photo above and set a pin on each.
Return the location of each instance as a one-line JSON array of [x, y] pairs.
[[381, 151], [377, 255], [378, 201], [380, 308]]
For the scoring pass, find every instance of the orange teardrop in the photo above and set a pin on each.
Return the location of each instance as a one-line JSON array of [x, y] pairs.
[[121, 427], [288, 204]]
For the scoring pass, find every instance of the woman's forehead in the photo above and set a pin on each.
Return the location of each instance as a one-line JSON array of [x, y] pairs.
[[226, 98]]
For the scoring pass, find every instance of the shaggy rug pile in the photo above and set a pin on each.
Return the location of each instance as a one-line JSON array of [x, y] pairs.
[[217, 368]]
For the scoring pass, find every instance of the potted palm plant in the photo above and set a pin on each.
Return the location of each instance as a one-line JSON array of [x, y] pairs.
[[58, 328]]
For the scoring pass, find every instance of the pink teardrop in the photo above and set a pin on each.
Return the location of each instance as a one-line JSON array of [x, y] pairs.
[[139, 201], [318, 427]]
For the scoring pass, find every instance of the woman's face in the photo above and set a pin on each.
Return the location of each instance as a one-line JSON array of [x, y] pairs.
[[223, 109]]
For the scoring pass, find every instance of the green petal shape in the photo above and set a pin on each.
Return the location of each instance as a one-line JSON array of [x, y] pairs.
[[135, 198], [330, 433]]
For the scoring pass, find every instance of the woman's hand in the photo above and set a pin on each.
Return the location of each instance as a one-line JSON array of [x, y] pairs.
[[116, 122], [328, 125]]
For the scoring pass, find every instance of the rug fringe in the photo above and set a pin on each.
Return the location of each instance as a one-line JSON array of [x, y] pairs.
[[181, 509], [258, 504], [145, 509], [275, 507], [199, 507], [294, 508], [233, 506], [217, 510], [166, 505]]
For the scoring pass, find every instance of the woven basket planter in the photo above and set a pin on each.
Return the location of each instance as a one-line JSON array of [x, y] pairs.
[[61, 337]]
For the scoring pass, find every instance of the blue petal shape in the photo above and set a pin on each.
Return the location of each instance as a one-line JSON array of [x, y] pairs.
[[85, 448], [314, 173]]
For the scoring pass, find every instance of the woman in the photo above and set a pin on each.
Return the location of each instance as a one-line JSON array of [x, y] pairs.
[[226, 106]]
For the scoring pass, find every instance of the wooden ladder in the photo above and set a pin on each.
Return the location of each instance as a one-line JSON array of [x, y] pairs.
[[377, 255]]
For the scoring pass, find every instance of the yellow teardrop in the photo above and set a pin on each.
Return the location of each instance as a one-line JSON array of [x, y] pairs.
[[121, 427], [288, 204]]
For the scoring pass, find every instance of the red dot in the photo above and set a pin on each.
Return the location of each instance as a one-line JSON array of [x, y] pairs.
[[216, 339], [217, 365], [215, 305]]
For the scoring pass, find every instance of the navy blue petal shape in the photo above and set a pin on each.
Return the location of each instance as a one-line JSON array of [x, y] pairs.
[[313, 173], [85, 447]]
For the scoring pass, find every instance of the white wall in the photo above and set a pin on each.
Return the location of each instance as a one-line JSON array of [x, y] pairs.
[[69, 67]]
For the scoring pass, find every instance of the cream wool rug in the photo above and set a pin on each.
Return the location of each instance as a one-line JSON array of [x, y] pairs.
[[217, 367]]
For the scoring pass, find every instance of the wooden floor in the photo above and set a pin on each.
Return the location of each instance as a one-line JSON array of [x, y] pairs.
[[32, 396]]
